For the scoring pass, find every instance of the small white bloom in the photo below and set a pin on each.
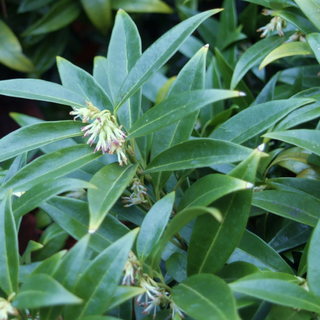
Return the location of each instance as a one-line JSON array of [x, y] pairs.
[[176, 311], [6, 308]]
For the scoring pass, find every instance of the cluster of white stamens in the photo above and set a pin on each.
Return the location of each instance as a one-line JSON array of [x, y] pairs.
[[111, 137], [6, 308], [137, 196], [275, 23]]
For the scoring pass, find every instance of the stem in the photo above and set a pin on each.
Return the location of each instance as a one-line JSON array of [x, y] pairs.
[[21, 314], [181, 241], [176, 243], [163, 285], [182, 179]]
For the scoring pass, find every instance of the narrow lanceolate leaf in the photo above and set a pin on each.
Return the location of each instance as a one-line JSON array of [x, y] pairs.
[[44, 191], [73, 216], [311, 9], [41, 290], [197, 153], [158, 54], [81, 82], [153, 226], [101, 277], [11, 52], [277, 291], [256, 119], [291, 205], [142, 6], [205, 297], [37, 135], [111, 181], [123, 53], [41, 90], [210, 188], [176, 107], [313, 271], [211, 243], [254, 56], [100, 74], [287, 50], [304, 138], [313, 41], [9, 252], [50, 166]]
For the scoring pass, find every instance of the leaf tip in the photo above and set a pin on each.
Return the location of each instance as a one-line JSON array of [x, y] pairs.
[[249, 185], [242, 94], [91, 230], [261, 147], [206, 46]]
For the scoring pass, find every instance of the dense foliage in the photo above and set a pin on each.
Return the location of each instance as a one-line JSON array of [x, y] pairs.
[[195, 196]]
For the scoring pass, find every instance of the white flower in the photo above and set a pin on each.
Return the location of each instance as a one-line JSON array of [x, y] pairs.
[[128, 278], [6, 308], [176, 311], [153, 304], [275, 23], [137, 197]]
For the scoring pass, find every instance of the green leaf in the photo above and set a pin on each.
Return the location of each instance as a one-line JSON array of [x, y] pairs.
[[313, 41], [41, 90], [123, 53], [50, 166], [287, 50], [99, 12], [175, 108], [153, 226], [31, 247], [277, 291], [9, 252], [313, 262], [176, 266], [310, 8], [111, 181], [205, 297], [254, 56], [100, 74], [197, 153], [41, 290], [158, 54], [37, 135], [256, 119], [18, 163], [81, 82], [294, 206], [237, 270], [155, 6], [30, 5], [44, 191], [11, 52], [101, 277], [59, 16], [210, 188]]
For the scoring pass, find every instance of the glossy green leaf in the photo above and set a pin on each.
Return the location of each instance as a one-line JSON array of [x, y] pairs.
[[44, 191], [49, 265], [254, 56], [294, 206], [286, 313], [310, 8], [9, 252], [41, 290], [18, 163], [98, 317], [158, 54], [100, 279], [31, 247], [210, 188], [256, 119], [41, 90], [37, 135], [197, 153], [153, 226], [142, 6], [111, 181], [286, 50], [176, 266], [313, 261], [59, 16], [205, 297], [175, 108], [50, 166], [123, 53], [236, 270], [30, 5], [99, 12], [11, 52], [314, 43], [81, 82], [73, 216], [100, 74], [277, 291]]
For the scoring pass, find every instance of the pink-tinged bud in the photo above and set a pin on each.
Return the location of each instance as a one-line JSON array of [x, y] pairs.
[[99, 119], [91, 143], [95, 150], [116, 142]]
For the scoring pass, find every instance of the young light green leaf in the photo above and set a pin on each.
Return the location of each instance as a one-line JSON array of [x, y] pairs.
[[9, 252], [11, 52], [310, 8], [101, 277], [205, 297], [81, 82], [31, 247], [37, 135], [287, 50], [158, 54], [41, 290], [142, 6], [197, 153], [111, 181], [256, 119], [176, 107], [153, 226]]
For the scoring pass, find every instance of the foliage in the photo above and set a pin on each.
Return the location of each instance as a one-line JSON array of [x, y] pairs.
[[196, 196]]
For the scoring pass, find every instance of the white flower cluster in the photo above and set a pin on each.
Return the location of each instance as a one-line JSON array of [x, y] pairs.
[[111, 137], [137, 196], [275, 23], [154, 295], [6, 308]]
